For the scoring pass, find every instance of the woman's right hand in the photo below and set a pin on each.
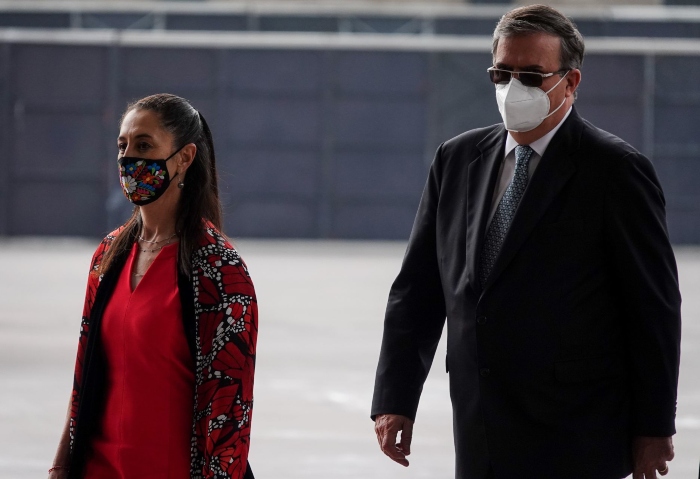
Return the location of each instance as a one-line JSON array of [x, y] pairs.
[[62, 458]]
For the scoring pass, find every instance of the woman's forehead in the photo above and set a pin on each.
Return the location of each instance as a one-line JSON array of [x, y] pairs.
[[140, 122]]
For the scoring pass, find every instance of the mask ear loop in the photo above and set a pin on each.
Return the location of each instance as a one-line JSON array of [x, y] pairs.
[[180, 149], [563, 101], [556, 85], [180, 184]]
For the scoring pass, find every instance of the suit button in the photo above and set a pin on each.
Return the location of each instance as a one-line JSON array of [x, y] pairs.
[[481, 320], [485, 372]]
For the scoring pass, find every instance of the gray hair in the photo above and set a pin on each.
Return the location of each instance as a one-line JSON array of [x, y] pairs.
[[543, 19]]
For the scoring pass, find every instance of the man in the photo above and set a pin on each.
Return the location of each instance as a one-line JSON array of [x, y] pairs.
[[543, 241]]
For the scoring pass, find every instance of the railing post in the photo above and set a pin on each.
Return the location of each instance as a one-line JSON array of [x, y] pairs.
[[649, 97]]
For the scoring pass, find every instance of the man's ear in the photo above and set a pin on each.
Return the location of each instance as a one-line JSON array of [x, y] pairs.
[[573, 79]]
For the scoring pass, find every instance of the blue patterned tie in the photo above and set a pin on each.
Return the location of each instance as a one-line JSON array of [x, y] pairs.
[[505, 212]]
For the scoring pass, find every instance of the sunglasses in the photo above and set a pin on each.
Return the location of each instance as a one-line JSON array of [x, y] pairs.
[[526, 78]]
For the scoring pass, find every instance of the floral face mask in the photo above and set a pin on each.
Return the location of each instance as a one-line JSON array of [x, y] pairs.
[[144, 181]]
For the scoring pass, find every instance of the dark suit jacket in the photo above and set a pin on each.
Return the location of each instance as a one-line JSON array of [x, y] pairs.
[[573, 345]]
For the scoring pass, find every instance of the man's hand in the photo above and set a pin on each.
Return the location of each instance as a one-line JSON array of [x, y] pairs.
[[651, 454], [387, 426]]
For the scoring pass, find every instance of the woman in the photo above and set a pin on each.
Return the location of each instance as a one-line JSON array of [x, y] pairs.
[[163, 384]]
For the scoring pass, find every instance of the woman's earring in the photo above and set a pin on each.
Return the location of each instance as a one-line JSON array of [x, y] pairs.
[[181, 184]]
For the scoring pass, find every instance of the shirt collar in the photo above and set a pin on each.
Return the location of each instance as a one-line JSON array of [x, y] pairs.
[[538, 145]]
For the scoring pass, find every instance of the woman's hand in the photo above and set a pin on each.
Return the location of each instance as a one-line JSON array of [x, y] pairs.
[[61, 460], [59, 474]]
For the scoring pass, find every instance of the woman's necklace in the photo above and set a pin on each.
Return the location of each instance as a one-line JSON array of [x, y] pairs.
[[141, 238], [155, 250]]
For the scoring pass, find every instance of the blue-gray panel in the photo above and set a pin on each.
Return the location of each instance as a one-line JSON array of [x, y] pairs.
[[375, 221], [665, 170], [58, 208], [591, 28], [677, 111], [305, 133], [687, 181], [120, 21], [271, 172], [671, 84], [622, 75], [168, 69], [622, 119], [640, 28], [283, 121], [369, 175], [224, 22], [388, 74], [383, 124], [274, 71], [34, 20], [265, 218], [65, 76], [60, 145], [465, 26], [365, 24], [281, 23], [653, 29], [676, 124], [679, 177], [683, 225], [465, 97]]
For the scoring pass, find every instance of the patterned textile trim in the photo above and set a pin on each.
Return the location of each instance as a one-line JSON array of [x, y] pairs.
[[225, 309]]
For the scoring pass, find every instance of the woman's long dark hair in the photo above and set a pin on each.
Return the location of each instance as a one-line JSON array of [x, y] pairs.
[[199, 200]]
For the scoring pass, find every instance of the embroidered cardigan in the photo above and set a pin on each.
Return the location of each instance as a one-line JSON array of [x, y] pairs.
[[220, 322]]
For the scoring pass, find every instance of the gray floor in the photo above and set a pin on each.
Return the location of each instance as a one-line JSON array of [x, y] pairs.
[[321, 309]]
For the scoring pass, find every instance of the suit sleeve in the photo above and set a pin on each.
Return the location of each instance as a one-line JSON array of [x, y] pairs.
[[644, 272], [415, 313]]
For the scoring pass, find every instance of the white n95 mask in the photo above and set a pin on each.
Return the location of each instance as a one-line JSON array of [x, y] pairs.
[[523, 108]]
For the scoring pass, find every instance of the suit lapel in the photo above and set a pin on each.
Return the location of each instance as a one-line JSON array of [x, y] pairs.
[[551, 175], [482, 175]]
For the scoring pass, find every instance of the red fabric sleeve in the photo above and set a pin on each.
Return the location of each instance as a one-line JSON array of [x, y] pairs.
[[227, 312]]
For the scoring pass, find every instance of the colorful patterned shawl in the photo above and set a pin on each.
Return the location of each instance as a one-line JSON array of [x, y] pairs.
[[224, 310]]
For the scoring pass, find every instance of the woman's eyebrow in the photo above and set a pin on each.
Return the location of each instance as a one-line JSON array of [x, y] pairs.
[[141, 135]]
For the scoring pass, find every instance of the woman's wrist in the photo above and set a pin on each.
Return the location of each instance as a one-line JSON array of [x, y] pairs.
[[58, 468]]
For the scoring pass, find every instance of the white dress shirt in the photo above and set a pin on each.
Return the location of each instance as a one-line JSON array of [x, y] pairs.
[[505, 176]]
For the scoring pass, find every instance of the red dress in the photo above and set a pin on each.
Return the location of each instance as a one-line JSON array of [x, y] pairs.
[[146, 428]]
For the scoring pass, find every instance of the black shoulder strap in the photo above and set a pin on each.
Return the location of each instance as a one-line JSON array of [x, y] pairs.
[[188, 318]]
